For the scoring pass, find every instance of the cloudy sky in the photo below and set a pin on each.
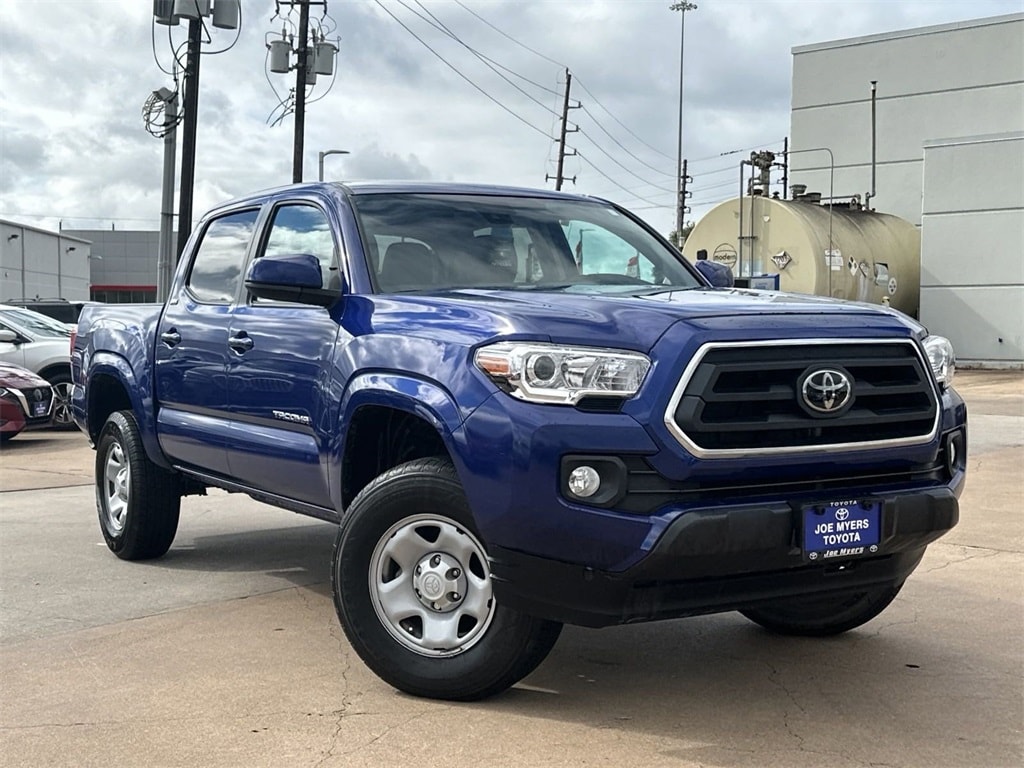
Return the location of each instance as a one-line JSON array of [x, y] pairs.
[[481, 106]]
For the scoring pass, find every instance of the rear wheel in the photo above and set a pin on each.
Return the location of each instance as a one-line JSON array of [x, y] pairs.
[[137, 501], [61, 383], [823, 615], [412, 588]]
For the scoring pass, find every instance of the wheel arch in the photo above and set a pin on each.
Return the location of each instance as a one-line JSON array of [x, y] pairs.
[[111, 385], [387, 420], [56, 369]]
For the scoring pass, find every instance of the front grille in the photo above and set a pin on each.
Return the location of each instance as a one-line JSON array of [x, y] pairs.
[[648, 490], [747, 398]]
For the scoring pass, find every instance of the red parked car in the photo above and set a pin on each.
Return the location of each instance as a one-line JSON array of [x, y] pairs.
[[25, 400]]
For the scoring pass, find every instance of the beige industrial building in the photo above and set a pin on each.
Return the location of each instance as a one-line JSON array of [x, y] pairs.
[[950, 159]]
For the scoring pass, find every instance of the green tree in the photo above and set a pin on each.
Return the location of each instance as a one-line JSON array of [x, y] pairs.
[[674, 238]]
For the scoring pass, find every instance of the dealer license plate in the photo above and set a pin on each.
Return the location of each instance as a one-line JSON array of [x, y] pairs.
[[842, 529], [39, 409]]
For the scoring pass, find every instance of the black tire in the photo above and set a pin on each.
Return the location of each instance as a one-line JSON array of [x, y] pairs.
[[822, 616], [137, 501], [62, 417], [490, 647]]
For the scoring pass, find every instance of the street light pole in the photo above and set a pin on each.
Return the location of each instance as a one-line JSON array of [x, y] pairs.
[[682, 7], [324, 154]]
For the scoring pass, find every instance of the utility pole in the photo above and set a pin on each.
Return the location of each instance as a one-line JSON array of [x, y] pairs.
[[166, 253], [226, 14], [684, 179], [300, 90], [312, 58], [559, 177], [190, 115]]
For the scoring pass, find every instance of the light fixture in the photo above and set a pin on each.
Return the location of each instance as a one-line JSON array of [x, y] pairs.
[[69, 249], [12, 237], [584, 482], [226, 14], [325, 153], [191, 9]]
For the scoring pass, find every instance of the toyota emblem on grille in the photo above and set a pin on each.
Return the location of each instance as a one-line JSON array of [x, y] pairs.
[[826, 391]]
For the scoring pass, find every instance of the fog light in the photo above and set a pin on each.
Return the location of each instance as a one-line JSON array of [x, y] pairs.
[[955, 452], [584, 482]]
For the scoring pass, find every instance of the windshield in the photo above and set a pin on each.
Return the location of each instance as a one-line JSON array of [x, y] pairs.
[[430, 242], [35, 323]]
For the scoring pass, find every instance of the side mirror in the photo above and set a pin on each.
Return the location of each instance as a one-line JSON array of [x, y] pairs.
[[9, 336], [719, 275], [289, 277]]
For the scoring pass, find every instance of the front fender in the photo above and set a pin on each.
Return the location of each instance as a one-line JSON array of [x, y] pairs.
[[419, 397], [140, 394]]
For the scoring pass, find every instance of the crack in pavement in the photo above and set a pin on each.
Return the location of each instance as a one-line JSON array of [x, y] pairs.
[[981, 554]]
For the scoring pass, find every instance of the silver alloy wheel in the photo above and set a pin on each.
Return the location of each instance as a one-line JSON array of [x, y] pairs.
[[117, 478], [430, 585], [62, 404]]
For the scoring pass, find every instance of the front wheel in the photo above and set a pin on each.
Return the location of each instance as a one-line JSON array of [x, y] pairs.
[[137, 501], [821, 616], [413, 591]]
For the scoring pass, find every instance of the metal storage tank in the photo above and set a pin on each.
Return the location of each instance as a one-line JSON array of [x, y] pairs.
[[838, 250]]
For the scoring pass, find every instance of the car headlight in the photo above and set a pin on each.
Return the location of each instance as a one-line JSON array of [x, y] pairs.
[[552, 373], [941, 358]]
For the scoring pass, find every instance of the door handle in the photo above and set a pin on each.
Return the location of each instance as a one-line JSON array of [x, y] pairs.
[[240, 343], [171, 338]]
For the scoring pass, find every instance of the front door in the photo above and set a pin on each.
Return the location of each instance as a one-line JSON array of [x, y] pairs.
[[279, 372]]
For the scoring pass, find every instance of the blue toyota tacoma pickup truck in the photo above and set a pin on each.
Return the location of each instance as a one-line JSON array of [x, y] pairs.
[[522, 409]]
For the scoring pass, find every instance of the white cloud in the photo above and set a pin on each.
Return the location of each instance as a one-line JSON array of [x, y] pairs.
[[74, 76]]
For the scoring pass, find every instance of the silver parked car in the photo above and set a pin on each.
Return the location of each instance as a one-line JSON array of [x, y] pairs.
[[43, 345]]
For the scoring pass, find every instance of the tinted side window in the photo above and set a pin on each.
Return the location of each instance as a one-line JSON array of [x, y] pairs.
[[304, 229], [217, 268]]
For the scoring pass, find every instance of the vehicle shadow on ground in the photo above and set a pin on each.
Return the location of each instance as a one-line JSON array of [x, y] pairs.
[[299, 554], [722, 691]]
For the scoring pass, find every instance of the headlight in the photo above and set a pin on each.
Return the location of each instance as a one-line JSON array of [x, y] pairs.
[[550, 373], [941, 357]]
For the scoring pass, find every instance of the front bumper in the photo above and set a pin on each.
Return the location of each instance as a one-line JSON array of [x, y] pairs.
[[714, 560], [690, 536]]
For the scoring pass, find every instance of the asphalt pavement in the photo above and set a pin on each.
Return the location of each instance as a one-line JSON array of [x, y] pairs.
[[227, 651]]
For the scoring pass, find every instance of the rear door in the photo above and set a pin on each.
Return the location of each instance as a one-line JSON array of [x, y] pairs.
[[279, 370], [192, 347]]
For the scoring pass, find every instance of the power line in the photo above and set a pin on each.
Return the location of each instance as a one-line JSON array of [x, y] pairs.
[[624, 126], [623, 148], [456, 71], [559, 64], [483, 57], [737, 151], [623, 167], [585, 159], [592, 116], [441, 27]]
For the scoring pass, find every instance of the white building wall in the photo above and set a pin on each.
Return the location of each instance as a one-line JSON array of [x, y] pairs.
[[972, 245], [38, 263], [954, 80]]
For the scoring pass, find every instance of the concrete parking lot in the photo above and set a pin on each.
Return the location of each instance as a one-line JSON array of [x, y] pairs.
[[227, 651]]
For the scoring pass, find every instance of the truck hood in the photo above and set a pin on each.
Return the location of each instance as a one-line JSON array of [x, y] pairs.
[[621, 320]]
